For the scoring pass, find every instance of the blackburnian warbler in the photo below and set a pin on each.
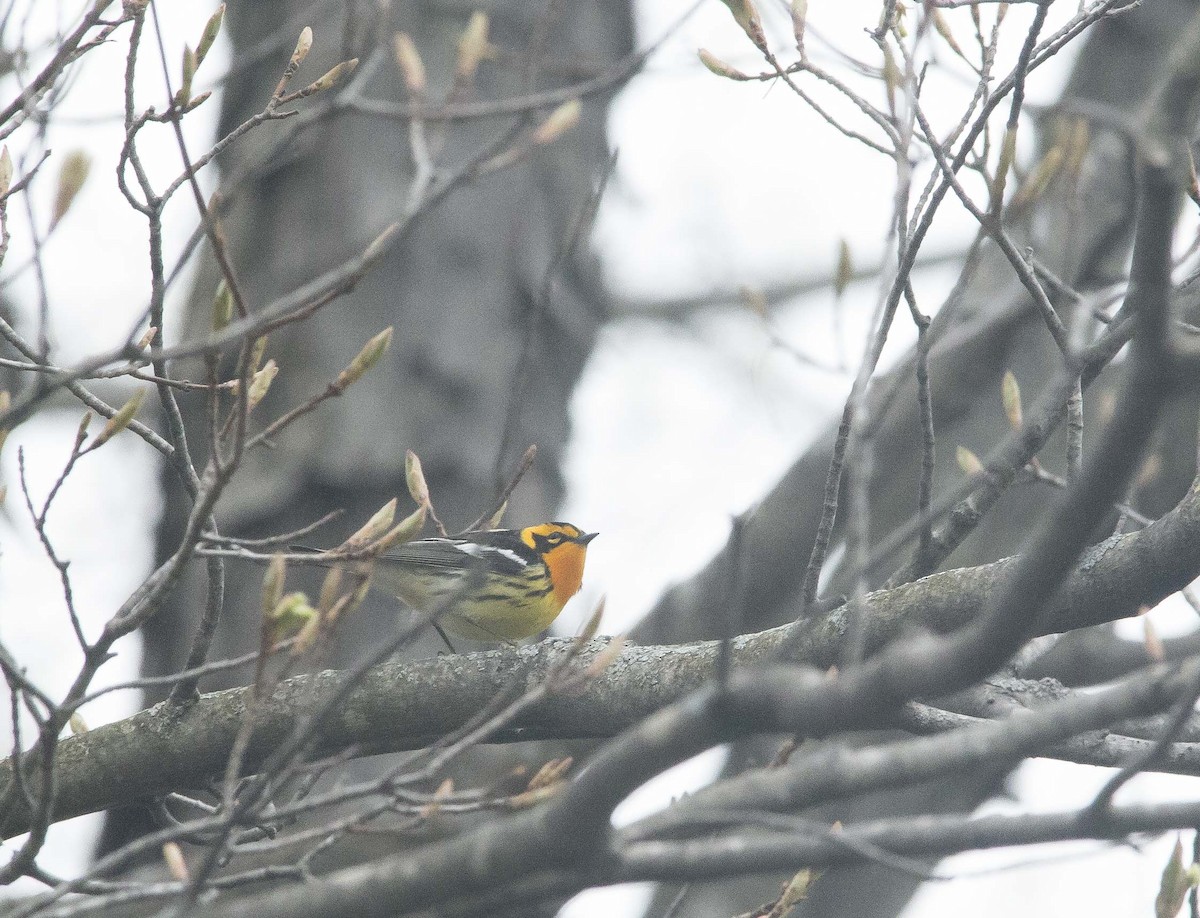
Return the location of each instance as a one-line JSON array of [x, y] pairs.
[[525, 577]]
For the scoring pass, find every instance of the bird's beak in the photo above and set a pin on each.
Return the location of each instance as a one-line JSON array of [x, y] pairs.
[[587, 537]]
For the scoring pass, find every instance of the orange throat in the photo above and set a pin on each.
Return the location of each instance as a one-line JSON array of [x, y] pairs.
[[565, 563]]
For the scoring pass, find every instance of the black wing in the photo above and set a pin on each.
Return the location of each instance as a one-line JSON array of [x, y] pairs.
[[501, 550]]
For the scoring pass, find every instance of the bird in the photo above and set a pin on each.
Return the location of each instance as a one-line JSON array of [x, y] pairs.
[[522, 578]]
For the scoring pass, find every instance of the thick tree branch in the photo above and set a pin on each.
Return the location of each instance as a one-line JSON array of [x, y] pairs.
[[156, 751], [834, 771]]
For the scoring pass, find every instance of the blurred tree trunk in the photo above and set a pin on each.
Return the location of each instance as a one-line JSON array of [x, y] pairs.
[[462, 290], [1082, 233]]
